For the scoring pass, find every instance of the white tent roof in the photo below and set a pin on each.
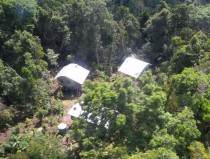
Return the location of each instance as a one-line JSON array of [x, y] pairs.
[[75, 111], [132, 67], [74, 72]]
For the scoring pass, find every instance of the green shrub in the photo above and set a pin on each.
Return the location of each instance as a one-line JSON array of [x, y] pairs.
[[6, 118], [45, 146]]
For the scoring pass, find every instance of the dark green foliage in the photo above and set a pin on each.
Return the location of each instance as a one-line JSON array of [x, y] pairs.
[[10, 85], [123, 116], [199, 17], [37, 146], [204, 63], [45, 146], [165, 113], [24, 10], [6, 118], [180, 18], [159, 153], [24, 49], [156, 31], [15, 144], [191, 90]]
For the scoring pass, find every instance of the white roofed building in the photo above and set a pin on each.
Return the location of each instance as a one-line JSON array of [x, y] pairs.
[[75, 111], [133, 67], [71, 75]]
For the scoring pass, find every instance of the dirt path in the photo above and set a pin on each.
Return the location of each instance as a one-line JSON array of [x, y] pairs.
[[5, 136], [67, 104]]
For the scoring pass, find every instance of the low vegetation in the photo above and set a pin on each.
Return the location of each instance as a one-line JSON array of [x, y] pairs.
[[164, 113]]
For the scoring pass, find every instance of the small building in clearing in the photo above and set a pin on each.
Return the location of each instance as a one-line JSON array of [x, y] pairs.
[[133, 67], [72, 76], [75, 111]]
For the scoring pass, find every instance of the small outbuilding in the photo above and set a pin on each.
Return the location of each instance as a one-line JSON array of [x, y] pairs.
[[133, 67], [72, 76], [75, 111], [62, 128]]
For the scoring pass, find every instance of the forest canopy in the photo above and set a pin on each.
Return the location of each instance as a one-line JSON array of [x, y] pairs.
[[164, 113]]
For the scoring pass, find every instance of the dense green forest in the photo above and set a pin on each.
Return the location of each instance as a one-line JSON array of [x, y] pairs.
[[164, 114]]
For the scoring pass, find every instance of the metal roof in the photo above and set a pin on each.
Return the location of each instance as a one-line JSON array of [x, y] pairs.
[[76, 110], [132, 67], [74, 72]]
